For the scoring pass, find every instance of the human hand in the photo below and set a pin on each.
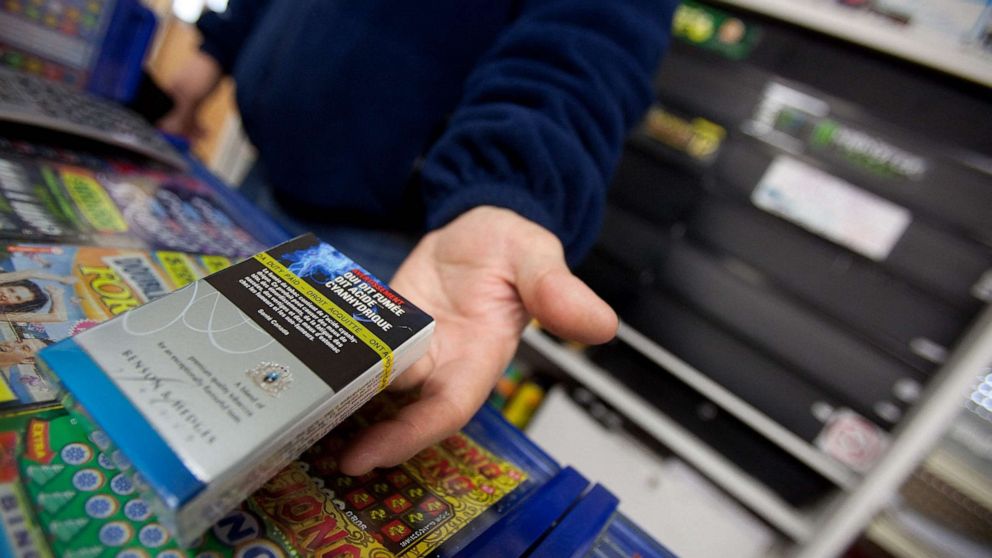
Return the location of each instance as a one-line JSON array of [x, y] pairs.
[[189, 88], [482, 277]]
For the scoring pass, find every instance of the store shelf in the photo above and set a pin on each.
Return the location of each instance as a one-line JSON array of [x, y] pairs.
[[916, 435], [960, 476], [761, 423], [886, 533], [795, 524], [914, 44]]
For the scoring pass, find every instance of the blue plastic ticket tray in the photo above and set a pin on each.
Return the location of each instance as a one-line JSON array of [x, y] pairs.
[[96, 45], [575, 534]]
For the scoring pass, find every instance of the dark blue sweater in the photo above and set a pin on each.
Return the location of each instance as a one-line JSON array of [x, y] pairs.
[[419, 110]]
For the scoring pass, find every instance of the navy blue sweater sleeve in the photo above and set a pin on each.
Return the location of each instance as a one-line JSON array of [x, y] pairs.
[[544, 113], [224, 33]]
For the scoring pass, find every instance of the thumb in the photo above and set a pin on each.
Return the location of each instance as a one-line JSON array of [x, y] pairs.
[[558, 299]]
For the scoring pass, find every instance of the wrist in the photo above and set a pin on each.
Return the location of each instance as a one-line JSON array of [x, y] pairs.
[[502, 232], [445, 203]]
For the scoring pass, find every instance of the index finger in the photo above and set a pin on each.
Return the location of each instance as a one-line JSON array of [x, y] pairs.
[[416, 426]]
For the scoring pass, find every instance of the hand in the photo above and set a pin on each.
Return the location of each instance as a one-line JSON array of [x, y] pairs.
[[482, 277], [188, 90]]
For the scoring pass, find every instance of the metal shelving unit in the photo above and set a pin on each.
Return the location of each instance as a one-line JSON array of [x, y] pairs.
[[795, 524], [827, 528], [915, 436], [916, 45], [941, 482], [886, 533], [800, 449], [819, 533], [961, 476]]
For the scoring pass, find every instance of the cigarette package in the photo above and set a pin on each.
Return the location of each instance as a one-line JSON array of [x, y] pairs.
[[211, 390]]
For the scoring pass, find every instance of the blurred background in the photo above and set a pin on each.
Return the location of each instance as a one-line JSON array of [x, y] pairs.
[[797, 239]]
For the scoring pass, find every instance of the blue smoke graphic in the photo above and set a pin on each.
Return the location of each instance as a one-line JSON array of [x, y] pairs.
[[322, 262], [362, 318]]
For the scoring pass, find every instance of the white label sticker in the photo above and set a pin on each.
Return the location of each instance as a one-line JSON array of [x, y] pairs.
[[832, 208], [853, 440]]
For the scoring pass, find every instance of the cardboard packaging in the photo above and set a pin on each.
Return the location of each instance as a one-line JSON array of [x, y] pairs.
[[210, 391]]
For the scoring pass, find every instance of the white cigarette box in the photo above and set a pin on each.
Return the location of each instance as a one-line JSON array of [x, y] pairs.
[[209, 391]]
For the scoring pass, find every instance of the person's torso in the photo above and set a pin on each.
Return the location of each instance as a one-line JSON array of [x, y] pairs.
[[342, 96]]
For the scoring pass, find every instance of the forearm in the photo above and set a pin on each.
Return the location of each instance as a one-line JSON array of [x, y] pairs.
[[543, 117], [223, 35], [188, 89], [197, 80]]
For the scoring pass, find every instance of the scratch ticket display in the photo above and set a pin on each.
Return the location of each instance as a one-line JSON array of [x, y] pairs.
[[178, 212], [59, 202], [211, 390], [20, 149], [20, 534], [442, 496], [86, 507], [48, 293], [62, 494]]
